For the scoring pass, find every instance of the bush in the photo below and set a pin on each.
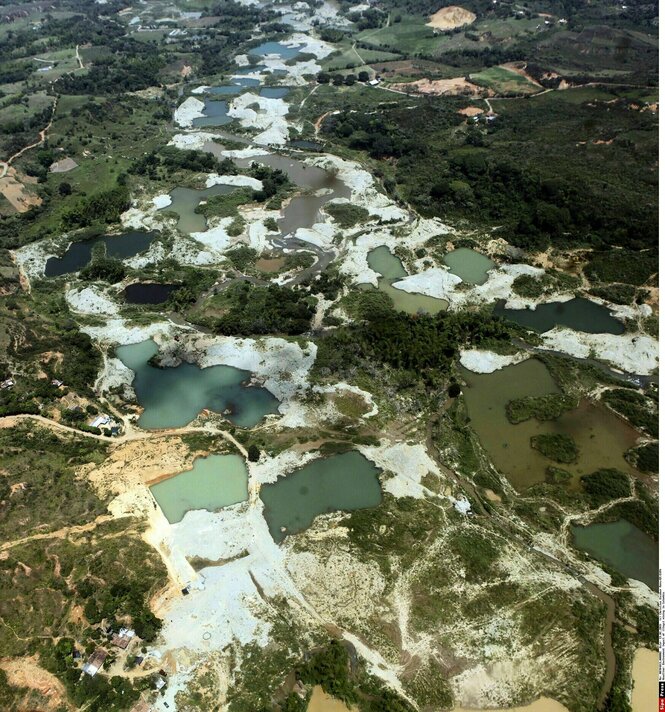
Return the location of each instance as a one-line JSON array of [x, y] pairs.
[[646, 458], [107, 269], [555, 446], [347, 215], [547, 407], [604, 485], [634, 406]]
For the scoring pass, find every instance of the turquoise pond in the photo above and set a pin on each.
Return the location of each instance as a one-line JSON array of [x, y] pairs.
[[623, 546], [578, 314], [214, 482], [173, 397], [341, 482], [382, 260], [470, 266]]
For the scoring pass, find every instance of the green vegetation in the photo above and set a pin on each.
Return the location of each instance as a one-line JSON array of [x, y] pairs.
[[557, 476], [637, 408], [604, 485], [554, 281], [547, 407], [225, 206], [476, 552], [243, 309], [646, 457], [555, 446], [622, 266], [347, 215]]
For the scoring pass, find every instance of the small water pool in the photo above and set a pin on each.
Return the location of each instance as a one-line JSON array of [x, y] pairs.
[[173, 397], [148, 292], [216, 113], [78, 254], [275, 48], [274, 92], [382, 260], [184, 202], [578, 314], [214, 482], [470, 266], [342, 482], [623, 546]]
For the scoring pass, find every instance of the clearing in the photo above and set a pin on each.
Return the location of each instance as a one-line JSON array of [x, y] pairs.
[[450, 18]]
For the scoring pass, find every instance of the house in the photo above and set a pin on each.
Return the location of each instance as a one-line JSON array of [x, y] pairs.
[[462, 505], [159, 682], [95, 662], [100, 420], [7, 383], [373, 82], [122, 638], [57, 383]]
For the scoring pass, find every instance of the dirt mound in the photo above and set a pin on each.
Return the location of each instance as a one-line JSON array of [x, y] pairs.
[[450, 18], [458, 86]]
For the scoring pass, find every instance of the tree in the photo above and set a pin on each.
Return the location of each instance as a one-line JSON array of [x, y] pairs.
[[65, 188], [323, 78], [253, 453], [350, 80], [363, 76]]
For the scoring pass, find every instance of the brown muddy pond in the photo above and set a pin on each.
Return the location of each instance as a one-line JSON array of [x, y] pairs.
[[602, 437], [270, 264]]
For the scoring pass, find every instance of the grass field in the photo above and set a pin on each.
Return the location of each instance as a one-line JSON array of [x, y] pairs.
[[504, 81]]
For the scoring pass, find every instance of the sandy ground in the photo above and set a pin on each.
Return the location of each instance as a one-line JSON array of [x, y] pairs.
[[471, 111], [449, 18], [481, 361], [542, 704], [12, 186], [25, 672], [645, 681], [320, 701], [458, 86]]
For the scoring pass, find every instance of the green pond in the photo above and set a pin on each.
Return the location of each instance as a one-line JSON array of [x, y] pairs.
[[214, 482], [579, 314], [382, 260], [342, 482], [184, 202], [602, 437], [623, 546], [173, 397], [470, 266]]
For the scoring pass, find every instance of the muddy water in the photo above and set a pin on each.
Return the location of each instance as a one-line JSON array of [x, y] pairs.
[[340, 482], [382, 260], [214, 482], [184, 201], [623, 546], [602, 438], [302, 210], [470, 266], [579, 314], [645, 681], [173, 397]]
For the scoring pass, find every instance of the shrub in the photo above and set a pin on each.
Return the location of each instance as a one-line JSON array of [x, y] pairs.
[[555, 446], [547, 407], [604, 485]]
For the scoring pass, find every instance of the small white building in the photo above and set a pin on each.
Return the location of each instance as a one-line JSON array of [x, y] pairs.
[[100, 420]]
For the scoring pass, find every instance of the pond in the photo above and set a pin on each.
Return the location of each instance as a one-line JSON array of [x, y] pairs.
[[148, 292], [274, 92], [602, 437], [302, 210], [214, 482], [173, 397], [341, 482], [621, 545], [382, 260], [470, 266], [215, 114], [579, 314], [78, 254], [184, 202], [226, 89], [275, 48]]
